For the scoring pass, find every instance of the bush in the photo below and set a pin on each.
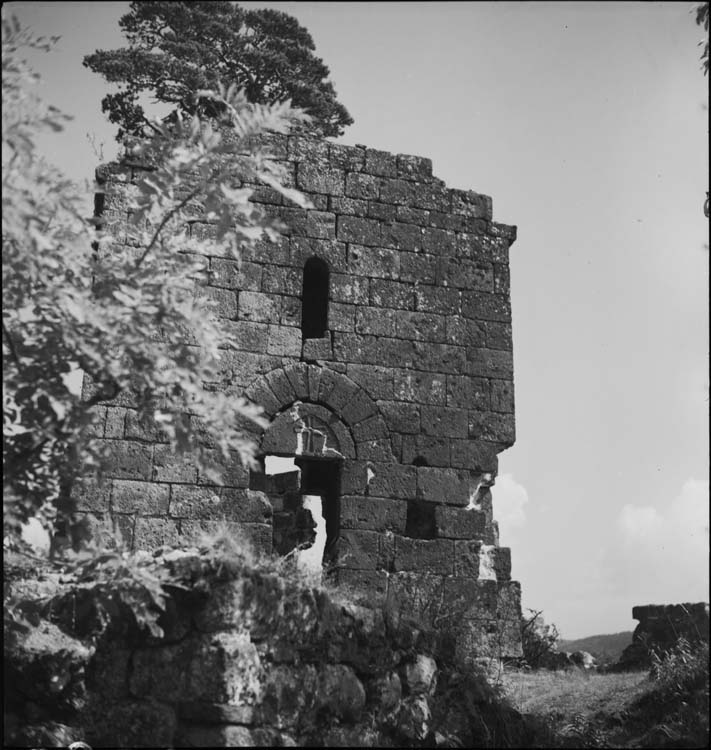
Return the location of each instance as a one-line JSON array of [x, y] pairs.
[[538, 639]]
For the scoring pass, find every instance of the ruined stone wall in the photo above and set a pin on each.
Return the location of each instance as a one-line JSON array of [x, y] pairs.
[[246, 658], [409, 389]]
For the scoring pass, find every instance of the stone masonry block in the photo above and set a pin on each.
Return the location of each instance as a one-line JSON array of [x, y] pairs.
[[282, 280], [362, 186], [301, 148], [465, 332], [349, 289], [350, 158], [246, 336], [374, 262], [152, 533], [355, 477], [434, 196], [468, 393], [298, 376], [450, 486], [260, 393], [402, 236], [376, 514], [419, 268], [129, 460], [386, 293], [498, 335], [169, 467], [370, 320], [360, 231], [444, 421], [489, 363], [439, 358], [466, 557], [115, 424], [145, 429], [484, 306], [320, 178], [247, 506], [364, 550], [477, 455], [437, 299], [414, 168], [419, 387], [400, 192], [224, 301], [492, 426], [502, 279], [284, 341], [400, 416], [376, 381], [440, 242], [420, 326], [379, 450], [358, 408], [458, 523], [312, 349], [502, 396], [257, 307], [341, 317], [386, 212], [281, 387], [434, 556], [91, 495], [392, 480], [472, 204], [380, 163], [144, 498], [229, 274], [303, 248], [433, 451], [466, 274], [372, 428]]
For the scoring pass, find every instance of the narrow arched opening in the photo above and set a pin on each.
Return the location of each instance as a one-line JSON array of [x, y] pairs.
[[314, 299]]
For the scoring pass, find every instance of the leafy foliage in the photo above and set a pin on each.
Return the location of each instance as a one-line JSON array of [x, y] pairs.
[[537, 638], [702, 19], [135, 316], [178, 49]]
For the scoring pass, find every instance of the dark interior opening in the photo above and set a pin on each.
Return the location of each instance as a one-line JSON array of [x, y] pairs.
[[420, 522], [314, 299], [420, 461], [323, 477]]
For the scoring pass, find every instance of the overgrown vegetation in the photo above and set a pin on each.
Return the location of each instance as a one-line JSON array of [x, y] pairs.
[[667, 706], [137, 317], [538, 639]]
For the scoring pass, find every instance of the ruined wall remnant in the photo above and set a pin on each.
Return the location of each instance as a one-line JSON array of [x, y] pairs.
[[660, 626], [376, 334]]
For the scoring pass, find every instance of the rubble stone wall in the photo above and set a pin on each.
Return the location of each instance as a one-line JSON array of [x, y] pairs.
[[410, 388]]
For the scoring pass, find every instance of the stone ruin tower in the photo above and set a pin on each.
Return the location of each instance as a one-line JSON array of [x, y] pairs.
[[377, 336]]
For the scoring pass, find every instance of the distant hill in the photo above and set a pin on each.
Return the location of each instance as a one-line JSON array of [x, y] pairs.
[[605, 648]]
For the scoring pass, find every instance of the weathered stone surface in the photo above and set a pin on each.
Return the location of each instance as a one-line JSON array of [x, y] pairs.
[[435, 556], [420, 675], [377, 514], [411, 385], [340, 692]]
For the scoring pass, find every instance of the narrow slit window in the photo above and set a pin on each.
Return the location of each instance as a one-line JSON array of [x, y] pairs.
[[314, 299]]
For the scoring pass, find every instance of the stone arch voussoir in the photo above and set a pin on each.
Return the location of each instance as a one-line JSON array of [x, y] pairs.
[[307, 386]]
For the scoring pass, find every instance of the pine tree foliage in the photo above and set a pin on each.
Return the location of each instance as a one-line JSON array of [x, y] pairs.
[[177, 49], [135, 316]]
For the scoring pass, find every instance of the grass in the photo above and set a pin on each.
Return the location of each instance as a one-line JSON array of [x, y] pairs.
[[573, 708]]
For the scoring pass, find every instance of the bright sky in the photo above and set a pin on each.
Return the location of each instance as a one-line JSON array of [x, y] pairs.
[[587, 124]]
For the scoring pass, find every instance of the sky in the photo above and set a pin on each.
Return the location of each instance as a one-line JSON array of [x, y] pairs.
[[588, 125]]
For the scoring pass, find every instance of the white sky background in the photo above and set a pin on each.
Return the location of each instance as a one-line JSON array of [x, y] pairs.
[[587, 124]]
